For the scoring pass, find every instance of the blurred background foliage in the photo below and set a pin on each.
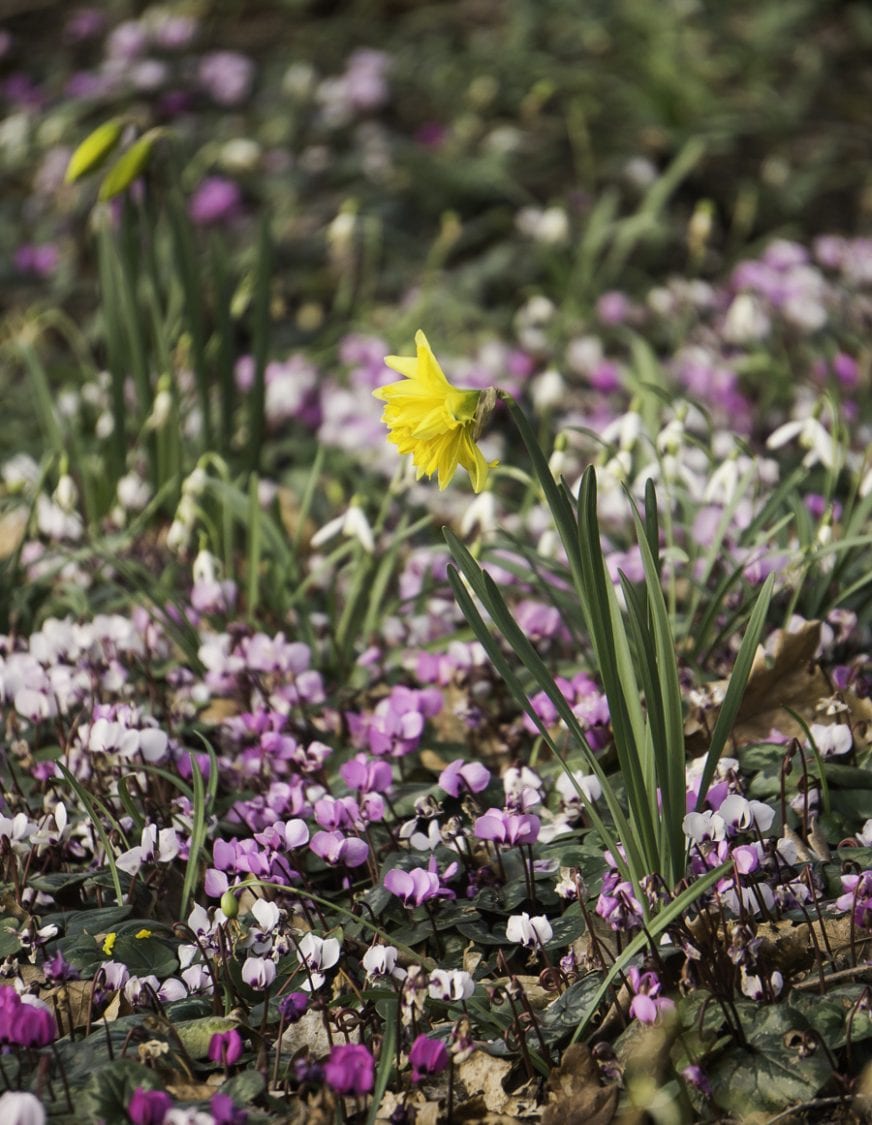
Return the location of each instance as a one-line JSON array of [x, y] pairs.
[[758, 107]]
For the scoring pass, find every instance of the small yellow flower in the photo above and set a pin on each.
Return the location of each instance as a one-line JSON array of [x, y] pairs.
[[435, 422], [142, 933], [109, 944]]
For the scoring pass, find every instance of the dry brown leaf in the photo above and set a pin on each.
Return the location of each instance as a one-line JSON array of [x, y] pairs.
[[482, 1077], [289, 513], [538, 996], [309, 1032], [72, 1002], [432, 761], [788, 678], [218, 710], [425, 1111], [577, 1098], [191, 1091]]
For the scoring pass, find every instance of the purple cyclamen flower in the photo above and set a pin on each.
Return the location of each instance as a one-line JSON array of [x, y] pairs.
[[226, 76], [216, 200], [695, 1076], [427, 1056], [350, 1069], [33, 1025], [857, 898], [225, 1047], [336, 849], [460, 777], [508, 828], [148, 1107], [647, 1003], [38, 261], [617, 904], [225, 1112], [293, 1007]]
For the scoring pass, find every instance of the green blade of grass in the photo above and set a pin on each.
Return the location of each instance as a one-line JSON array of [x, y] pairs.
[[736, 688]]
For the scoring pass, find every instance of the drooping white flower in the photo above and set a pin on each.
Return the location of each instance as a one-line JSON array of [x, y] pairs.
[[527, 931]]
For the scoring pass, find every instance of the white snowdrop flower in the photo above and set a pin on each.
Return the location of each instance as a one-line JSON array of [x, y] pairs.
[[450, 984], [66, 495], [353, 524], [20, 472], [527, 931], [670, 440], [480, 513], [722, 484], [205, 567], [812, 436], [549, 544], [832, 739], [746, 320], [133, 492], [161, 410], [56, 523], [240, 154], [299, 80], [584, 354], [548, 390], [623, 431], [640, 172], [178, 535]]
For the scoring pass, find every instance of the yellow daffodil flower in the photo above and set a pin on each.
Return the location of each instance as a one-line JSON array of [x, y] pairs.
[[434, 421]]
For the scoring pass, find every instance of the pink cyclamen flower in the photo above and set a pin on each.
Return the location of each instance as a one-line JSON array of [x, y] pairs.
[[225, 1047], [350, 1069], [460, 777], [337, 849], [647, 1003], [216, 200], [427, 1056], [420, 884], [508, 828], [148, 1107], [367, 775]]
